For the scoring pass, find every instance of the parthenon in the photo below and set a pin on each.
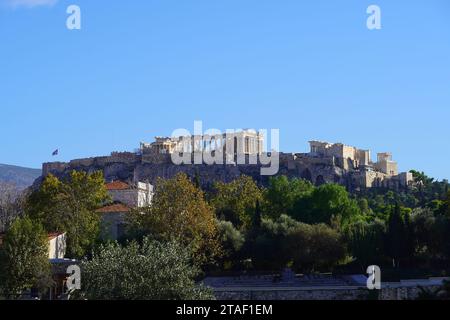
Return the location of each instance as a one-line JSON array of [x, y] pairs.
[[324, 163], [244, 141]]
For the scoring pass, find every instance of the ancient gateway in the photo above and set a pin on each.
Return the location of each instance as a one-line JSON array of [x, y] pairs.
[[324, 163]]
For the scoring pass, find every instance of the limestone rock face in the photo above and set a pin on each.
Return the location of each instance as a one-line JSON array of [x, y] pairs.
[[336, 163], [316, 172]]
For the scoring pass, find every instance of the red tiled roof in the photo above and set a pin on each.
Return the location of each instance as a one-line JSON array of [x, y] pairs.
[[117, 185], [54, 235], [118, 207]]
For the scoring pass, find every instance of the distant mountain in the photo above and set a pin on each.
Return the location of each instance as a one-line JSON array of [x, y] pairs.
[[19, 176]]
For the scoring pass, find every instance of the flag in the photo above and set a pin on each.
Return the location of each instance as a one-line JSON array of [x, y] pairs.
[[55, 153]]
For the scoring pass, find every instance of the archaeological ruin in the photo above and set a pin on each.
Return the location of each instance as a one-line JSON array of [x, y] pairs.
[[238, 154]]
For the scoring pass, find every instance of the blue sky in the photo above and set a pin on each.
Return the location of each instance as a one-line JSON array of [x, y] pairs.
[[138, 69]]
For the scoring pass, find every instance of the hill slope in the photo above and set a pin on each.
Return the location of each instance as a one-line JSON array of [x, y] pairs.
[[19, 176]]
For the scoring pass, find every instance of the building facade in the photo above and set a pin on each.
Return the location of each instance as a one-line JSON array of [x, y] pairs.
[[124, 198]]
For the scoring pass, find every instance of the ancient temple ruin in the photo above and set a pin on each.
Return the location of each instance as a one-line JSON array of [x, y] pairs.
[[324, 163]]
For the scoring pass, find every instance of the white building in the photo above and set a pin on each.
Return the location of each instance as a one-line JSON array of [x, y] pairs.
[[136, 195], [57, 245], [125, 197]]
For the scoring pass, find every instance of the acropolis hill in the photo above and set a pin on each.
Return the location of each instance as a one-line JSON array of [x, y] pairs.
[[325, 163]]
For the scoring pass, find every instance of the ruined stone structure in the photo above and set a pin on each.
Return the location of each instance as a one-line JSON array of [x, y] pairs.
[[324, 163], [359, 170], [245, 141]]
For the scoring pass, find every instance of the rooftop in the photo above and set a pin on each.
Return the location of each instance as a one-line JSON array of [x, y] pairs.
[[117, 185], [114, 208], [54, 235]]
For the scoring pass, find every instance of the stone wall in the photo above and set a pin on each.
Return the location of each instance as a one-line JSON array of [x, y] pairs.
[[54, 167], [318, 171], [403, 293], [344, 293], [330, 293], [148, 167]]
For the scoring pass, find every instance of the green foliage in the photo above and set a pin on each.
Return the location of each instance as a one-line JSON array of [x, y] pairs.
[[399, 244], [327, 203], [268, 249], [437, 206], [431, 234], [427, 189], [152, 271], [236, 201], [291, 223], [24, 260], [421, 177], [364, 207], [69, 206], [446, 206], [257, 217], [288, 242], [426, 192], [231, 240], [365, 241], [282, 194], [322, 247], [179, 212]]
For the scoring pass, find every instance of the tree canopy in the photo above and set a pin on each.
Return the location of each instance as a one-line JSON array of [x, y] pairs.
[[179, 212], [69, 206], [282, 194], [236, 201], [327, 203], [24, 260], [151, 271], [287, 242]]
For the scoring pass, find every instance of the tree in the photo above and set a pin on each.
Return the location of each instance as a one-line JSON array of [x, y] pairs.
[[257, 216], [427, 189], [325, 248], [421, 177], [197, 182], [399, 242], [363, 205], [24, 260], [236, 201], [282, 194], [179, 212], [11, 205], [266, 246], [431, 234], [438, 206], [423, 221], [151, 271], [327, 203], [365, 241], [447, 204], [231, 241], [69, 206], [286, 242]]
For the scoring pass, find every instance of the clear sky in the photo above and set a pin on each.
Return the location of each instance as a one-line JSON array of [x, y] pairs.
[[139, 68]]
